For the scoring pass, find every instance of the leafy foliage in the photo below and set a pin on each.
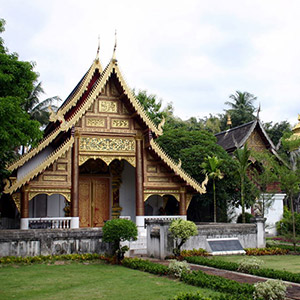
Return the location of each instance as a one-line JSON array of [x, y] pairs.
[[16, 83], [248, 264], [178, 267], [116, 231], [211, 169], [242, 156], [232, 266], [181, 231], [270, 290], [285, 225], [241, 108]]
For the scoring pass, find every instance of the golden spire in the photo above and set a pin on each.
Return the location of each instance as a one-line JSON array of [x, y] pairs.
[[115, 47], [98, 49], [296, 129], [229, 122]]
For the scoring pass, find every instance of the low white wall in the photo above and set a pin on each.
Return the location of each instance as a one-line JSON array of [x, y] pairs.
[[160, 242]]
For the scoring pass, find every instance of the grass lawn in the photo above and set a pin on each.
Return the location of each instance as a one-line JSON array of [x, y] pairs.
[[289, 263], [86, 281]]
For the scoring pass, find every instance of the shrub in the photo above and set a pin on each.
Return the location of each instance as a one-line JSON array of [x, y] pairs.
[[145, 265], [116, 231], [285, 225], [248, 264], [199, 296], [217, 283], [191, 296], [269, 273], [181, 231], [178, 267], [265, 251], [270, 290], [194, 252], [248, 218]]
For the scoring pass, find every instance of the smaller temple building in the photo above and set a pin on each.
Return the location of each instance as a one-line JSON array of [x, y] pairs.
[[98, 160]]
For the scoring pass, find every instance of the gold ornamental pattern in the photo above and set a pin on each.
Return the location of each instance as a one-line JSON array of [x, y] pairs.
[[93, 122], [117, 123], [106, 144], [108, 106]]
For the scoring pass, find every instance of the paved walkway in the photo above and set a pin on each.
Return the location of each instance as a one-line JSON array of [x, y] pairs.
[[293, 291]]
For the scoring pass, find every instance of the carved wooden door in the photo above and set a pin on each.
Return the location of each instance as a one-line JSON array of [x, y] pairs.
[[93, 201]]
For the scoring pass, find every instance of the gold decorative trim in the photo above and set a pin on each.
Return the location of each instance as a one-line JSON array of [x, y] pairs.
[[106, 144], [44, 165], [135, 103], [108, 106], [55, 177], [34, 192], [158, 179], [119, 123], [107, 158], [17, 199], [94, 122], [61, 167], [43, 144], [161, 193], [180, 172], [188, 200]]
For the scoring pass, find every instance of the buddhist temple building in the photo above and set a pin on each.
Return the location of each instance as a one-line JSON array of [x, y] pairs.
[[98, 160]]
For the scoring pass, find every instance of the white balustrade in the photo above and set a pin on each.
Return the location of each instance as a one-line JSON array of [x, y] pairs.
[[49, 223]]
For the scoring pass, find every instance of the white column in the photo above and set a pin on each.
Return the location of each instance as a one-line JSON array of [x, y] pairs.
[[261, 235], [74, 222], [24, 223]]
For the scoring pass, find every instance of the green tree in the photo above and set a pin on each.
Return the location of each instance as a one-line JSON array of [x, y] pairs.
[[38, 110], [152, 106], [116, 231], [211, 169], [276, 131], [265, 174], [242, 156], [241, 108], [181, 231], [16, 84]]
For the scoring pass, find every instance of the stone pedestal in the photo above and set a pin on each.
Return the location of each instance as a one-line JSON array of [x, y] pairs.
[[261, 235], [24, 223], [74, 222]]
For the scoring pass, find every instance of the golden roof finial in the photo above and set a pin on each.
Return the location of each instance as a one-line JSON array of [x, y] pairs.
[[229, 122], [98, 49], [115, 47]]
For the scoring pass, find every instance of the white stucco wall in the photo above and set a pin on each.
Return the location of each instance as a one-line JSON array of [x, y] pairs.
[[273, 214], [127, 191]]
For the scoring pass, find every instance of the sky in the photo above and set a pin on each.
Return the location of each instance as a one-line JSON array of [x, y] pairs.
[[194, 54]]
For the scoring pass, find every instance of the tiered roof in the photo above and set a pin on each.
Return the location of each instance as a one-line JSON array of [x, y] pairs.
[[72, 110]]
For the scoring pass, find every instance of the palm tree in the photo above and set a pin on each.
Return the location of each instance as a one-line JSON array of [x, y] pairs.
[[242, 156], [242, 108], [211, 169], [39, 110]]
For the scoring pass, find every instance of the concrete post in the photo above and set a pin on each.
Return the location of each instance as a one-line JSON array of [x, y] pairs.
[[261, 235]]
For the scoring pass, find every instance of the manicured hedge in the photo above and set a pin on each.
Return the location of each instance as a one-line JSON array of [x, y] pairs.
[[220, 284], [47, 258], [232, 266], [199, 296], [145, 265], [284, 247], [197, 278], [266, 251]]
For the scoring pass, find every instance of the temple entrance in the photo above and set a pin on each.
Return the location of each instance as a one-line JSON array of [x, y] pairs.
[[94, 190]]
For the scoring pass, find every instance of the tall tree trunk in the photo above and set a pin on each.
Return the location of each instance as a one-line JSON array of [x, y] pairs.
[[243, 200], [215, 202]]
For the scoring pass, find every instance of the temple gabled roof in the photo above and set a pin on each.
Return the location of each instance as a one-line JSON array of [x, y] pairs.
[[72, 110], [236, 137]]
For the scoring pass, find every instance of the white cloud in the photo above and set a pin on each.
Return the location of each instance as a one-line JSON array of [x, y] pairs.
[[193, 53]]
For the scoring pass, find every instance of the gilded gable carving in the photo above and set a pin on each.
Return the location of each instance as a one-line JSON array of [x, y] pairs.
[[108, 106], [95, 122], [255, 142], [106, 144], [119, 123]]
